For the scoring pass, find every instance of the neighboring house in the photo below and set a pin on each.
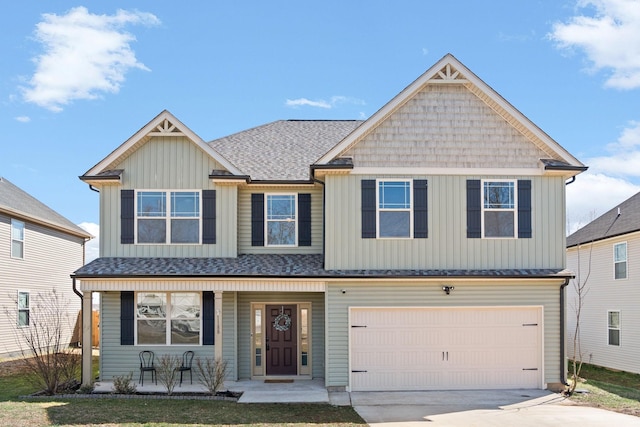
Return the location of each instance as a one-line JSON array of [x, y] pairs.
[[605, 255], [422, 248], [39, 249]]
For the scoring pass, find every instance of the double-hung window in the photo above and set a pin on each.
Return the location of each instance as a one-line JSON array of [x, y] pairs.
[[23, 308], [168, 318], [281, 224], [613, 325], [168, 217], [17, 239], [394, 209], [620, 260], [499, 206]]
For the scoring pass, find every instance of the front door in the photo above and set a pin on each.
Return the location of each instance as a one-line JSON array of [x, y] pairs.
[[282, 340]]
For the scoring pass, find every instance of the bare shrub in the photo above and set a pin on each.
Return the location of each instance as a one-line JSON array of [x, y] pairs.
[[212, 373], [124, 384], [166, 371]]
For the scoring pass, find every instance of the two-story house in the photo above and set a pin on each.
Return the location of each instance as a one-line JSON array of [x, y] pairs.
[[422, 248], [39, 249], [605, 256]]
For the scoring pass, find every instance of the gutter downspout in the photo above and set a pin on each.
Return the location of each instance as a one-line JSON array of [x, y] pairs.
[[563, 377], [77, 292], [324, 231]]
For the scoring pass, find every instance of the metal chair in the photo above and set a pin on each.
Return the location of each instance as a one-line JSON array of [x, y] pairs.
[[146, 365], [187, 360]]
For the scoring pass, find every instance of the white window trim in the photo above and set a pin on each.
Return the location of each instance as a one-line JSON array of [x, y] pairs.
[[167, 319], [514, 209], [619, 328], [410, 208], [267, 220], [18, 309], [16, 221], [168, 217], [626, 260]]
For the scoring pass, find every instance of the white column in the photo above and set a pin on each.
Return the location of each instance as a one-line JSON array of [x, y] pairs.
[[218, 325], [87, 317]]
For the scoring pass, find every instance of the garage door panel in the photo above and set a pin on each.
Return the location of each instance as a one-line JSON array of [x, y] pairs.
[[446, 348]]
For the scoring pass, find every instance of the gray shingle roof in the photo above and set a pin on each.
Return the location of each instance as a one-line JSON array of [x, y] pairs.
[[274, 265], [283, 150], [610, 224], [15, 201]]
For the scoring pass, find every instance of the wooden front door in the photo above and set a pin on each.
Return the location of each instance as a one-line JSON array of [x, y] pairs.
[[282, 340]]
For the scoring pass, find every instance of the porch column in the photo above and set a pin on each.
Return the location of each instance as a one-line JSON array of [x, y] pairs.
[[87, 317], [218, 325]]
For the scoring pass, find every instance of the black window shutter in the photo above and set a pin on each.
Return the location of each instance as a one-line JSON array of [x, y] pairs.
[[257, 219], [524, 209], [127, 216], [420, 212], [208, 318], [208, 217], [368, 187], [127, 318], [304, 219], [474, 209]]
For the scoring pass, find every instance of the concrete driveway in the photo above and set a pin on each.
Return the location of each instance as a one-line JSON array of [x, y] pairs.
[[491, 408]]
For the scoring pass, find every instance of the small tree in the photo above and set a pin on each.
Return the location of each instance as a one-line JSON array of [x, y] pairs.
[[212, 373], [167, 373], [44, 342]]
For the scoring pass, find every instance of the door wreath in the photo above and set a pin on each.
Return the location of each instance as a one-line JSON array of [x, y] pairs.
[[282, 322]]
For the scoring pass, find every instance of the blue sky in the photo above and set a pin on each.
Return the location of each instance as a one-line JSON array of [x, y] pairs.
[[78, 79]]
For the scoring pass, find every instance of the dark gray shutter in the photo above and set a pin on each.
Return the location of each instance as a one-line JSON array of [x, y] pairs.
[[257, 219], [208, 217], [127, 216], [524, 209], [420, 216], [127, 318], [474, 209], [368, 188], [304, 219], [208, 318]]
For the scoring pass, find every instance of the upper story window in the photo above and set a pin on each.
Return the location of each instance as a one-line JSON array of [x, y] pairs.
[[620, 260], [168, 318], [17, 239], [281, 224], [168, 217], [499, 209], [23, 308], [394, 208], [613, 325]]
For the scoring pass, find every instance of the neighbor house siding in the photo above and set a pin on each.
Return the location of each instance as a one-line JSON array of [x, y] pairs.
[[594, 270], [447, 246], [431, 295], [244, 222], [244, 326], [50, 256], [167, 163]]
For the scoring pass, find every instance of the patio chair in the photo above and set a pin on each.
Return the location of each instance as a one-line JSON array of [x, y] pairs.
[[187, 360], [146, 365]]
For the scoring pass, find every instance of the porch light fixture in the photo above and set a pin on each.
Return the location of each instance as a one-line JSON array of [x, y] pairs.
[[447, 289]]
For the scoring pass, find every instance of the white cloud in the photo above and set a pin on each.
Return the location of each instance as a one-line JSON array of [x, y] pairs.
[[624, 155], [321, 103], [84, 56], [23, 119], [609, 36], [92, 247]]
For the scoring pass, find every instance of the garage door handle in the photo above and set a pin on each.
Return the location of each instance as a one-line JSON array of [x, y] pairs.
[[358, 371], [529, 369], [529, 324]]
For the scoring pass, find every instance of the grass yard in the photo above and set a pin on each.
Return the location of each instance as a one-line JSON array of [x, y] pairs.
[[78, 412]]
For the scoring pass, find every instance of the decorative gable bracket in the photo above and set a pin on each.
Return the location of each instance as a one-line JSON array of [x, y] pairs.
[[448, 74], [166, 128]]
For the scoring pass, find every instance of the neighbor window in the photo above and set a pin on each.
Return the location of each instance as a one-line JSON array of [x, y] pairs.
[[620, 260], [281, 224], [168, 216], [614, 327], [394, 208], [23, 308], [17, 239], [499, 209], [168, 318]]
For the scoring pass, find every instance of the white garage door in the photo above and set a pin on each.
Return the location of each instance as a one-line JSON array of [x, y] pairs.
[[445, 348]]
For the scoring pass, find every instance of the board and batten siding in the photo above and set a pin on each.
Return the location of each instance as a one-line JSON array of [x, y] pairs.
[[506, 293], [168, 163], [447, 246], [602, 294], [245, 299], [50, 257], [244, 222], [120, 360]]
